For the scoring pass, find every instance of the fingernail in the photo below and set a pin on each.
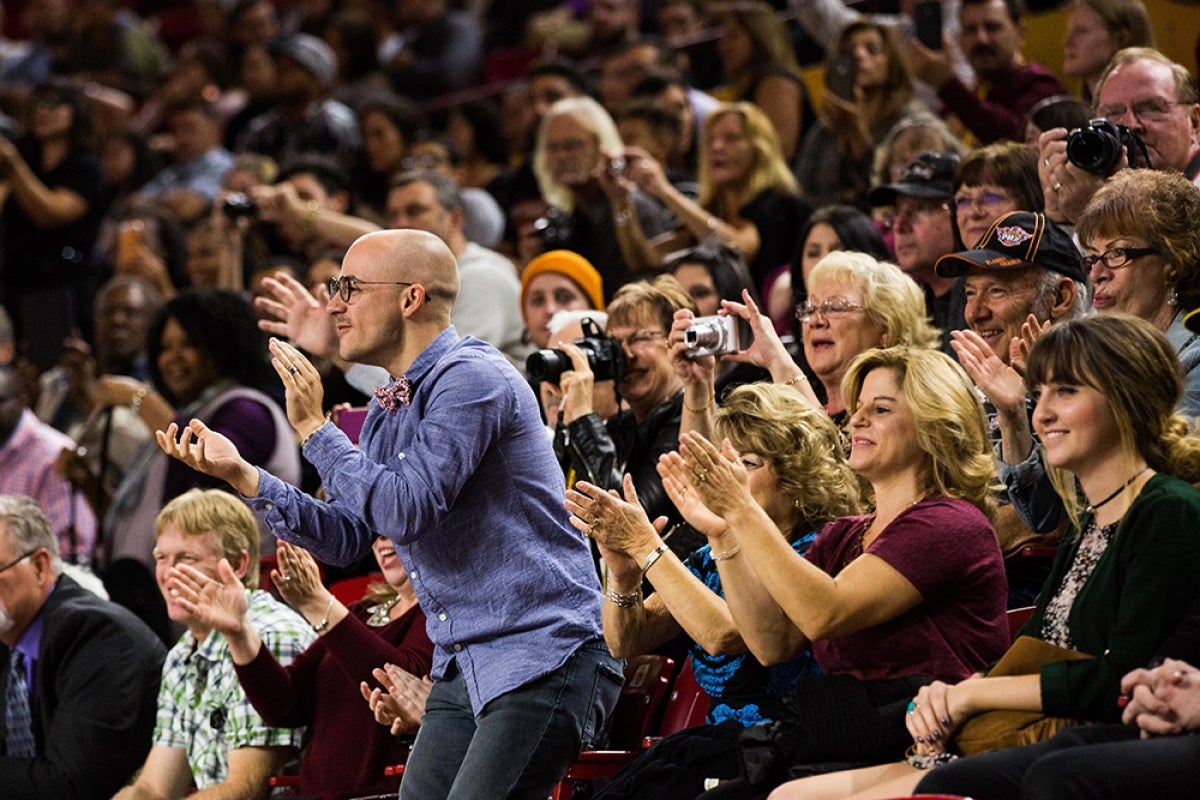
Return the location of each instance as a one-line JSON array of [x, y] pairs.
[[945, 722]]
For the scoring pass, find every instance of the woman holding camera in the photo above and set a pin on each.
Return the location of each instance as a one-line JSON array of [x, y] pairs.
[[638, 351]]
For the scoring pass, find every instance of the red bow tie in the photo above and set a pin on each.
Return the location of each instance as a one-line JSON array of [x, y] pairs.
[[391, 397]]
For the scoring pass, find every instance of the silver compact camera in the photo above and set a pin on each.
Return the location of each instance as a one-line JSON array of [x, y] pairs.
[[717, 335]]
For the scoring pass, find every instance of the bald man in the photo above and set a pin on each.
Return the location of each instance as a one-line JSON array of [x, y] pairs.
[[456, 469]]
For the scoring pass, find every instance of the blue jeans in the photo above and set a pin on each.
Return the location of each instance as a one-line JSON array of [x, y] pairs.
[[522, 742]]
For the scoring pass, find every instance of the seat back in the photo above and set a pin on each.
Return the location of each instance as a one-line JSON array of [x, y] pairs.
[[351, 590], [640, 705], [1016, 618], [687, 705]]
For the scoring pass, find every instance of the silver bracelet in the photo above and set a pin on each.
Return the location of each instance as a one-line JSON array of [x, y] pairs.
[[135, 405], [325, 622], [631, 600], [653, 558], [798, 379], [725, 555]]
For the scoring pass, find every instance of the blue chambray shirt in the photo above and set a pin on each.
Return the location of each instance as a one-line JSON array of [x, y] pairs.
[[465, 482]]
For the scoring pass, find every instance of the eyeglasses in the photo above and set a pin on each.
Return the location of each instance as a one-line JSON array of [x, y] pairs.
[[1116, 258], [833, 308], [18, 560], [638, 339], [1152, 109], [986, 200], [345, 286]]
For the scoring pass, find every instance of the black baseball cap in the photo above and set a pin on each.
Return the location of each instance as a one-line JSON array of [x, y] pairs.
[[1018, 240], [929, 176]]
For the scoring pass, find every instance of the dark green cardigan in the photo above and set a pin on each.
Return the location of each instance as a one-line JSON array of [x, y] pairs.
[[1134, 599]]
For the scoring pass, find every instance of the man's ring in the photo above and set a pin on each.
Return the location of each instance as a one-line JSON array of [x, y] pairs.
[[287, 576], [1057, 186], [292, 370], [1046, 161], [703, 476], [912, 707]]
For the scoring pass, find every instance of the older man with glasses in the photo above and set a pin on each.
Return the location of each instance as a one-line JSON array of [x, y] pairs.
[[1157, 100]]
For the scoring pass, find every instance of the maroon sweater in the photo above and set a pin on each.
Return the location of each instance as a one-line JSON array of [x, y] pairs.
[[345, 749], [1001, 113]]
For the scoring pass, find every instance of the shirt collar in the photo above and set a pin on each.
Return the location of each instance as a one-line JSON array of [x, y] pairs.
[[433, 352]]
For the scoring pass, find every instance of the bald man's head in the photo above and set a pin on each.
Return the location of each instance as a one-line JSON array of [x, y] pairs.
[[415, 257]]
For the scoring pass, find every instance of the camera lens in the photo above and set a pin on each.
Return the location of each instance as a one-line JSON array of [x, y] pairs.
[[704, 335], [1095, 148], [239, 205], [547, 366]]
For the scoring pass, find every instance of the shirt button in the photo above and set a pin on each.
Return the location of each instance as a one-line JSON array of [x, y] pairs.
[[413, 575], [269, 506], [457, 647], [442, 617]]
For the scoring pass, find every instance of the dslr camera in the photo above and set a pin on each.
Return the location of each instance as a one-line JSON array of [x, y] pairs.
[[1096, 147], [604, 355], [717, 335]]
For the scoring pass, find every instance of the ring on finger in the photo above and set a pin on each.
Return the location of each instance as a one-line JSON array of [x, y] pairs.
[[1057, 186], [912, 707], [287, 576], [292, 370]]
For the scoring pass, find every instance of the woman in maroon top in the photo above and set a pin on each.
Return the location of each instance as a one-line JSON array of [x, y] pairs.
[[345, 749]]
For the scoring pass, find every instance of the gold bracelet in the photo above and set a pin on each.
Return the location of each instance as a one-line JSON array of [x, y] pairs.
[[700, 410], [798, 379]]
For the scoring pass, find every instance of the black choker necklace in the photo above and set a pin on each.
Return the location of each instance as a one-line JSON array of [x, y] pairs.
[[1091, 509]]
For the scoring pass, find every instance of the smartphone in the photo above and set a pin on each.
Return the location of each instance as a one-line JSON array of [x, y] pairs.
[[927, 16], [129, 244], [841, 75], [350, 420]]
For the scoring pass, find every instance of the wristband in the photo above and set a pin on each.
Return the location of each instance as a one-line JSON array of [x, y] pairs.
[[653, 558]]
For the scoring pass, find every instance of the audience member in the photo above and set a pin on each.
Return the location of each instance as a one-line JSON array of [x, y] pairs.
[[923, 227], [1152, 96], [207, 734], [344, 752], [389, 125], [761, 68], [305, 118], [82, 673], [523, 641], [992, 181], [488, 305], [1122, 582], [483, 219], [590, 210], [779, 439], [991, 36], [435, 48], [835, 161], [29, 450], [48, 222], [187, 187], [883, 605], [1096, 30], [559, 280]]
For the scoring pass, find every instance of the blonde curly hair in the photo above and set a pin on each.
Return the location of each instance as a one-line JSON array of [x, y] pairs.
[[951, 427], [801, 443]]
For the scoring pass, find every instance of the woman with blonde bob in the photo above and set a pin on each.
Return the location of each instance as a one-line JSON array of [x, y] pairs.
[[797, 473], [1122, 580], [748, 197], [912, 592]]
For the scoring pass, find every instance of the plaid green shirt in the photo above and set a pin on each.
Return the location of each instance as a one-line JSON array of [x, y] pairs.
[[201, 705]]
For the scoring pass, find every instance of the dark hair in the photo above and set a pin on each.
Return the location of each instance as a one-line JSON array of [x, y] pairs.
[[223, 326], [453, 154], [327, 171], [488, 128], [357, 33], [854, 230], [726, 266], [658, 118], [1015, 8], [664, 55], [80, 135], [1010, 165], [657, 81], [211, 58], [447, 191], [560, 69], [399, 111], [1059, 111], [146, 160]]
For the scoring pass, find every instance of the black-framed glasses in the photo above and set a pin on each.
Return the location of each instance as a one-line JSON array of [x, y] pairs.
[[18, 560], [831, 308], [1116, 258], [345, 286]]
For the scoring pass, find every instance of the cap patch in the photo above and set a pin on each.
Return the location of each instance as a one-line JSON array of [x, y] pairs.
[[1013, 236]]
